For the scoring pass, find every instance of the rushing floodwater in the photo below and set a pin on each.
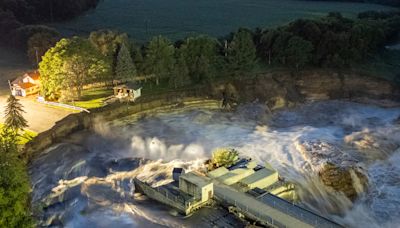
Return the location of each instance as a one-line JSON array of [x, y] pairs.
[[87, 180], [177, 19]]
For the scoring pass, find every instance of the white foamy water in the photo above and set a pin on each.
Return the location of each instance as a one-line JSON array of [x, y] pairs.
[[87, 180]]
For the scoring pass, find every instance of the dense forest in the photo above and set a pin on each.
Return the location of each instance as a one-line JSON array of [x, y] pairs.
[[333, 41]]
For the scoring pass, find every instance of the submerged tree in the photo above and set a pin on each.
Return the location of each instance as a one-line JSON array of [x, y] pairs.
[[125, 69], [13, 113]]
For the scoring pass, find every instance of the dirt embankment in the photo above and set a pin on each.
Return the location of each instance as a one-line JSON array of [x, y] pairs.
[[281, 89], [277, 90]]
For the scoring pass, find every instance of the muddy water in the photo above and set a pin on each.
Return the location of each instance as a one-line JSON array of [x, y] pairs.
[[86, 181]]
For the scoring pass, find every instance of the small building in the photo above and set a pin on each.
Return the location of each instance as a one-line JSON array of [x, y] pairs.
[[200, 187], [176, 173], [130, 91], [25, 85]]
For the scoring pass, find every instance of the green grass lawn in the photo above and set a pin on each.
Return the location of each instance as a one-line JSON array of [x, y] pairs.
[[25, 137], [93, 98]]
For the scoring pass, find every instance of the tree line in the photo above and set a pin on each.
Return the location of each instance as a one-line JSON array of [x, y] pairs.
[[108, 56]]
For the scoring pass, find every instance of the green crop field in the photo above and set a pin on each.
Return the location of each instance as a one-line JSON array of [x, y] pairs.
[[180, 18]]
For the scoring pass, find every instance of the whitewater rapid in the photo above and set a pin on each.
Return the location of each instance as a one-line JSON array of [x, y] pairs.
[[86, 181]]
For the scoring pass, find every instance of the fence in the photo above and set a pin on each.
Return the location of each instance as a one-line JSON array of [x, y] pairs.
[[62, 105], [253, 213]]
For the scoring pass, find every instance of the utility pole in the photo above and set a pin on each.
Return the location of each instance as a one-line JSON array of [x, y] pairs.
[[37, 56], [9, 84]]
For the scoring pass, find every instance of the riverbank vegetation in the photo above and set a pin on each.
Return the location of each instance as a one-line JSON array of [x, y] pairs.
[[109, 57], [14, 180]]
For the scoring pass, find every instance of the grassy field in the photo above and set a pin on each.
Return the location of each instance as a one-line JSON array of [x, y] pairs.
[[25, 137], [93, 98], [177, 19]]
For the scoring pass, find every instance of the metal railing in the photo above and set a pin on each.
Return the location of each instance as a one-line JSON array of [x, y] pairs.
[[283, 206], [63, 105]]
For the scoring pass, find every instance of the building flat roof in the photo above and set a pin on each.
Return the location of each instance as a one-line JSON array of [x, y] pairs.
[[196, 179], [218, 172], [257, 176]]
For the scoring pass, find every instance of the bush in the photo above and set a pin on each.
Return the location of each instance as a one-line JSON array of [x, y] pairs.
[[223, 157]]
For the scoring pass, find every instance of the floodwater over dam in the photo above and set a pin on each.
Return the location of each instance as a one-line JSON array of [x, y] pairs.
[[86, 181]]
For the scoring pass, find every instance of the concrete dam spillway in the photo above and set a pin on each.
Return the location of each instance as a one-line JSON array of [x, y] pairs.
[[86, 180]]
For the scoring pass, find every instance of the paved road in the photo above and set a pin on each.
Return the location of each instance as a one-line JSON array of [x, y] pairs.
[[40, 117]]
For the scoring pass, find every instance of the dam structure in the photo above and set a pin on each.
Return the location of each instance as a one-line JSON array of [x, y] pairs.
[[248, 190]]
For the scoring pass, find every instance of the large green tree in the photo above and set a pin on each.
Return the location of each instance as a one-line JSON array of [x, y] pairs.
[[14, 184], [180, 76], [159, 59], [13, 113], [125, 69], [70, 65], [201, 58], [241, 53], [298, 52], [108, 42]]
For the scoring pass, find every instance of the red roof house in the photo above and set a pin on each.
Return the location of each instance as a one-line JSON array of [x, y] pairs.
[[25, 85]]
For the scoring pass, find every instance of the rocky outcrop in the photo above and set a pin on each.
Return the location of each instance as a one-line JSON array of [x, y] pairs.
[[347, 180], [336, 169], [283, 89]]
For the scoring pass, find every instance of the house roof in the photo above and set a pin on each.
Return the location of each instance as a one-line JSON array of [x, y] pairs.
[[34, 75], [26, 85], [129, 85]]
